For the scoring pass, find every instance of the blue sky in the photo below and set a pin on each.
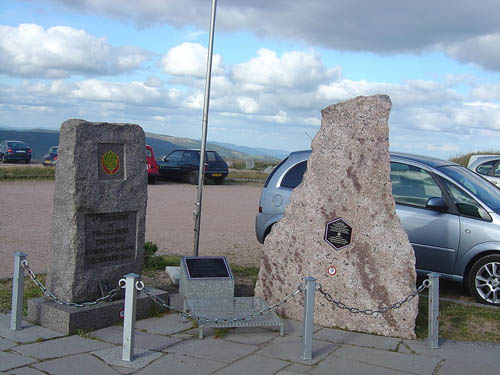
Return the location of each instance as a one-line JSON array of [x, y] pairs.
[[276, 65]]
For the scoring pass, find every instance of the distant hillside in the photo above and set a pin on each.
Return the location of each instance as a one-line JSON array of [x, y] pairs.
[[255, 151], [40, 141]]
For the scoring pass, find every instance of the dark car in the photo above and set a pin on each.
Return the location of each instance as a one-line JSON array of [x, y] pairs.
[[451, 216], [15, 151], [152, 165], [50, 158], [185, 164]]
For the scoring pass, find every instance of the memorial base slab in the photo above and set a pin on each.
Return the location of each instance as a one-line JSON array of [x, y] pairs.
[[68, 320]]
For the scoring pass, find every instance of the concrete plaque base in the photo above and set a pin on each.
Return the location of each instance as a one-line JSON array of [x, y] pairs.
[[68, 320]]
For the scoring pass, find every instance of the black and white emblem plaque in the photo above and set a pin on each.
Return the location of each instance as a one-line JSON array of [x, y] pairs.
[[338, 234]]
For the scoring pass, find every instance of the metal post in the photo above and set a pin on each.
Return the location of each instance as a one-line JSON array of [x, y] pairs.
[[433, 318], [129, 318], [309, 315], [201, 171], [16, 314]]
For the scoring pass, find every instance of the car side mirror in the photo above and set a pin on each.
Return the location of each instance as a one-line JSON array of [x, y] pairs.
[[437, 204]]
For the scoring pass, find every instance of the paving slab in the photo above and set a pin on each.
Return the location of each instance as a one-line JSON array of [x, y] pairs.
[[358, 339], [26, 371], [296, 328], [296, 368], [6, 344], [114, 335], [28, 333], [214, 349], [81, 364], [61, 347], [387, 359], [251, 335], [165, 325], [11, 360], [341, 366], [290, 348], [113, 357], [175, 364], [252, 365]]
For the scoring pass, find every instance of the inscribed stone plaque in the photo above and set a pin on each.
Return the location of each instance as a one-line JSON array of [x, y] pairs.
[[110, 239], [100, 202], [347, 177], [207, 268]]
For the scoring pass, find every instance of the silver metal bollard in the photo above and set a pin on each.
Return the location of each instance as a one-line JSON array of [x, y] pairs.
[[129, 318], [309, 316], [16, 316], [433, 315]]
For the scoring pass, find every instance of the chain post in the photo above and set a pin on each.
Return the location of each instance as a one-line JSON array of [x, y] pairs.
[[310, 290], [433, 314], [129, 319], [16, 314]]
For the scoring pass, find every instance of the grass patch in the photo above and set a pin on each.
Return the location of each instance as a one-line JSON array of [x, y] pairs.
[[30, 291], [461, 322], [154, 262], [247, 175], [26, 173], [220, 333], [247, 272], [463, 159]]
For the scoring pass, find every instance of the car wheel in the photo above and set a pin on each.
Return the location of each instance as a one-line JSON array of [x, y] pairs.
[[27, 161], [219, 180], [484, 280], [4, 159], [151, 180], [193, 178]]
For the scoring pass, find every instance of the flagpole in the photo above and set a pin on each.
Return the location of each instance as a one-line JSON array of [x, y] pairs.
[[204, 127]]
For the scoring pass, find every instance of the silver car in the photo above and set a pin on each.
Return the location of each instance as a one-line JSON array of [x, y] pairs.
[[451, 216], [487, 166]]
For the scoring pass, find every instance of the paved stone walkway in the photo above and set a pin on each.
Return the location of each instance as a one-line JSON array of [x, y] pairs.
[[169, 345]]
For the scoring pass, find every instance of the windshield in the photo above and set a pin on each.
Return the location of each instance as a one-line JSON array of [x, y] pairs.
[[485, 191]]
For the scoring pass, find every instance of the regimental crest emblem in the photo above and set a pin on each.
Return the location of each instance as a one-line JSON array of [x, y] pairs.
[[110, 162]]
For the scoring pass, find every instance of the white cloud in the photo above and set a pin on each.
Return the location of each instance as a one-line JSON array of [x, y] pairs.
[[190, 59], [248, 105], [482, 50], [29, 50]]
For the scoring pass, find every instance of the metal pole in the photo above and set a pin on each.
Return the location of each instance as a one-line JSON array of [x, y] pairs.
[[308, 316], [129, 318], [201, 171], [433, 315], [16, 314]]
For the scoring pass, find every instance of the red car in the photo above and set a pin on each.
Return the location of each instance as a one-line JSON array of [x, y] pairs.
[[152, 165]]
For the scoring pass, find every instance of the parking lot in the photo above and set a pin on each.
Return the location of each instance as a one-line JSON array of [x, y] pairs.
[[227, 226]]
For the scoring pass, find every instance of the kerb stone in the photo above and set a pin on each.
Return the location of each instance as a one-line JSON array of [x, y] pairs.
[[341, 227]]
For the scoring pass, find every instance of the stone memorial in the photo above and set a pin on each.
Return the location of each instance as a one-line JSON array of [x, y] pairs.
[[341, 227], [205, 277], [99, 217]]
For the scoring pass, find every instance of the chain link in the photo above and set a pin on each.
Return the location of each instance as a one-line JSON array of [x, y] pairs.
[[44, 290], [252, 316], [381, 310]]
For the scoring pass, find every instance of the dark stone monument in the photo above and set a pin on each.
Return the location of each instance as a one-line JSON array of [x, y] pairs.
[[99, 214]]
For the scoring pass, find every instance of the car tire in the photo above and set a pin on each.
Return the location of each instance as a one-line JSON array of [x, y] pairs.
[[484, 280], [27, 161], [219, 180], [4, 159], [193, 178], [152, 180]]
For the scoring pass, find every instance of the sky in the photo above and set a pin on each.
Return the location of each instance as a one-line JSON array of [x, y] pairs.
[[276, 65]]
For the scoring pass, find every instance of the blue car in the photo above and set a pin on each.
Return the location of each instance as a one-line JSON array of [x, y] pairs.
[[15, 151], [451, 216]]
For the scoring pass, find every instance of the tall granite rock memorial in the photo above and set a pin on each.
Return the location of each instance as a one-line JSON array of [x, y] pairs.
[[99, 208], [341, 227]]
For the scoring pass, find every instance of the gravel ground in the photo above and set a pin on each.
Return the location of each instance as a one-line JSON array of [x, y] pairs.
[[227, 224]]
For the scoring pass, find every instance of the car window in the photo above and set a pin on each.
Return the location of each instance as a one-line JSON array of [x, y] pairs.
[[483, 190], [274, 171], [497, 170], [294, 176], [466, 205], [190, 156], [175, 156], [412, 185], [485, 168], [148, 153], [211, 156]]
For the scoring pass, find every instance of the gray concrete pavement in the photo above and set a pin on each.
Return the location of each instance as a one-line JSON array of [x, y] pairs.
[[169, 345]]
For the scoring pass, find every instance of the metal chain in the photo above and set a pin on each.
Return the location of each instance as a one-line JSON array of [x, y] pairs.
[[381, 310], [45, 291], [264, 311]]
